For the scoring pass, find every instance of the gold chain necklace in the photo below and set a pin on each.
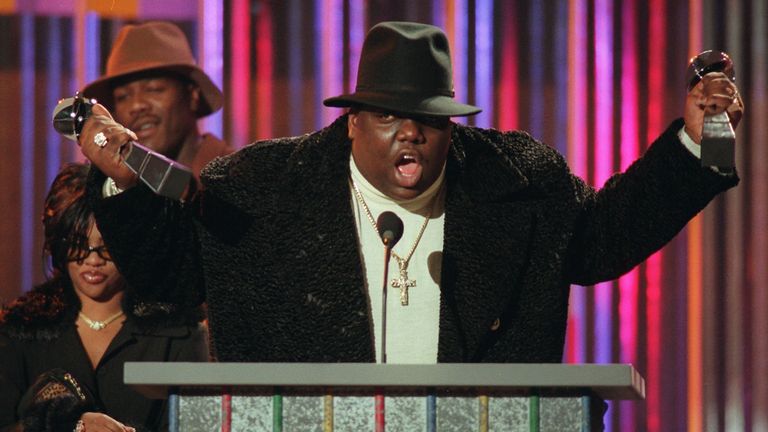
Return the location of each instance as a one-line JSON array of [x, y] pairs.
[[98, 325], [402, 282]]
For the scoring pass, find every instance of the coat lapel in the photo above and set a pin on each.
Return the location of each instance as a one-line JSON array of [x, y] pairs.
[[488, 231], [318, 198]]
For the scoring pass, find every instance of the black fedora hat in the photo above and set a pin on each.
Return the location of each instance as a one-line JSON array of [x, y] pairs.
[[405, 67]]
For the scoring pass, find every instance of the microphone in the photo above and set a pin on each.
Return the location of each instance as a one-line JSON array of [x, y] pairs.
[[164, 176], [390, 228]]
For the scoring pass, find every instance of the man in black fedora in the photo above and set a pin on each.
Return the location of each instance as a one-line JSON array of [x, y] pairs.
[[285, 249]]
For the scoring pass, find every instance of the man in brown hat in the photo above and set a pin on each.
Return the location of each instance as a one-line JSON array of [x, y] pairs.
[[153, 86], [286, 245]]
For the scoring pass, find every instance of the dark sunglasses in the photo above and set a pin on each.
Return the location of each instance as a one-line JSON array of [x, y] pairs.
[[81, 254]]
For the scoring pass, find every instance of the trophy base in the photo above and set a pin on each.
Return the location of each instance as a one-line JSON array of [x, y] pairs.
[[718, 142], [164, 176]]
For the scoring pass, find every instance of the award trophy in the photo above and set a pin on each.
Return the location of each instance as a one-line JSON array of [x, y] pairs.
[[718, 141], [164, 176]]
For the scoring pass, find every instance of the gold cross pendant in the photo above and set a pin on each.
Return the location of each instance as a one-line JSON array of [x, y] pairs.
[[403, 283]]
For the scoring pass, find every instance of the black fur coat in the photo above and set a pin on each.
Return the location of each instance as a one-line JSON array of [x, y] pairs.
[[272, 243]]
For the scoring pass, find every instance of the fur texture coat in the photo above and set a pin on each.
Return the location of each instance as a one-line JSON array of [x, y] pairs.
[[271, 243]]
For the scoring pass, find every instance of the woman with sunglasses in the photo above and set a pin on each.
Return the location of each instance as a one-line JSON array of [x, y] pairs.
[[63, 345]]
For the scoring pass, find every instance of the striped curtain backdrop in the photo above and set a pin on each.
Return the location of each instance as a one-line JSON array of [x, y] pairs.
[[596, 79]]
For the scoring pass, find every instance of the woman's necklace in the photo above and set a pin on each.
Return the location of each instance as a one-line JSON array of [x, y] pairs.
[[98, 325]]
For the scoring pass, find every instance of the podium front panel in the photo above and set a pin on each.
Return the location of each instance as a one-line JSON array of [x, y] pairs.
[[353, 413], [402, 413], [249, 413], [368, 397], [508, 414], [200, 413]]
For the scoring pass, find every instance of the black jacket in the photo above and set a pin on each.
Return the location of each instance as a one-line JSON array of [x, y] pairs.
[[38, 334], [272, 243]]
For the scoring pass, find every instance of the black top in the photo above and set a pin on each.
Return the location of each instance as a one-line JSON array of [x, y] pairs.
[[31, 346]]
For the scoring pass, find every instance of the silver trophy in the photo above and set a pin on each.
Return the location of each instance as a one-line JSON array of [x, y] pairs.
[[718, 140], [164, 176]]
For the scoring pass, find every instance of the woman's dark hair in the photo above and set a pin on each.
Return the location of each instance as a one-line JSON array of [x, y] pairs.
[[66, 216]]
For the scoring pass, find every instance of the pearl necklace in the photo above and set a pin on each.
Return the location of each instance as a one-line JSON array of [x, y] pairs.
[[98, 325]]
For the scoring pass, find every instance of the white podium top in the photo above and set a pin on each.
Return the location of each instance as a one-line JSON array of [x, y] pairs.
[[607, 381]]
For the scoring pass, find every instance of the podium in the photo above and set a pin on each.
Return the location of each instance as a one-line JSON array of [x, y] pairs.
[[373, 397]]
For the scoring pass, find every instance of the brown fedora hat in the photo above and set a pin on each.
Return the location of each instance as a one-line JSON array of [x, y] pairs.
[[153, 47], [405, 67]]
